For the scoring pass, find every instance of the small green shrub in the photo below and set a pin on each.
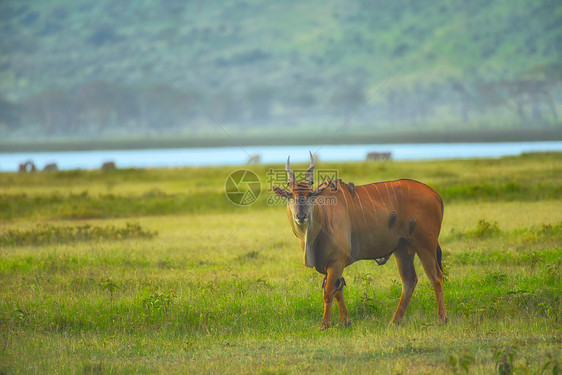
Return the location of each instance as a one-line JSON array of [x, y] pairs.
[[158, 303], [505, 359], [485, 229], [551, 365], [457, 362], [45, 234]]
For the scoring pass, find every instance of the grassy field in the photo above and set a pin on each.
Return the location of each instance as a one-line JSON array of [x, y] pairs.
[[144, 271]]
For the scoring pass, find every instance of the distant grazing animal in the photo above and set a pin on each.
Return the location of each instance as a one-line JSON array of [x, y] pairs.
[[51, 167], [379, 156], [338, 224], [254, 159], [108, 165], [28, 166]]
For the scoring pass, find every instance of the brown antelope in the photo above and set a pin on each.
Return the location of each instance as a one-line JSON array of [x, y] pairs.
[[254, 159], [338, 224], [51, 167], [108, 166], [379, 156], [27, 166]]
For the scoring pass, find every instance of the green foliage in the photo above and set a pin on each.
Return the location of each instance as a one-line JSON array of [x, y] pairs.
[[457, 362], [44, 234], [485, 229], [110, 286], [254, 63], [550, 230], [83, 206], [508, 191], [505, 359], [367, 303], [157, 303], [363, 136], [551, 365]]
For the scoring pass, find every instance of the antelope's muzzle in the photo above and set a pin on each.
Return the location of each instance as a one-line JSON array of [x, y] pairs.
[[301, 218]]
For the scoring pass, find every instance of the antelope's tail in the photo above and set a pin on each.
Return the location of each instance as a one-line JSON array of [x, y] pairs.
[[439, 255]]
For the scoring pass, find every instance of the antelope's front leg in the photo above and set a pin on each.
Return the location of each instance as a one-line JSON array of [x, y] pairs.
[[333, 284]]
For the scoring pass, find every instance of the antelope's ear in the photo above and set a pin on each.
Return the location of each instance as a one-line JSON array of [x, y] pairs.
[[281, 192]]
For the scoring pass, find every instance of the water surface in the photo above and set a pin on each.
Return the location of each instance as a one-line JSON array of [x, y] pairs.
[[180, 157]]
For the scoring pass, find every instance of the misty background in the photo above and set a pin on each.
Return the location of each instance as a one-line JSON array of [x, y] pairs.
[[144, 70]]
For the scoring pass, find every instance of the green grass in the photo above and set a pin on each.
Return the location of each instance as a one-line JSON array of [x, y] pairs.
[[223, 290], [137, 192]]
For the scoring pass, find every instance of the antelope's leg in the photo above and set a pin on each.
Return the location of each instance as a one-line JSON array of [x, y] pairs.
[[344, 315], [428, 258], [404, 256], [333, 276]]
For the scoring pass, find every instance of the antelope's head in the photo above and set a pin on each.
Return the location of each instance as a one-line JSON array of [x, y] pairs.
[[300, 196]]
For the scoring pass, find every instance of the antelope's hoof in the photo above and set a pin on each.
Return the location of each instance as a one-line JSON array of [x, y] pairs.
[[324, 326]]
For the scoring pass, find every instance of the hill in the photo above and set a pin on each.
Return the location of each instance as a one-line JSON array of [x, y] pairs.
[[107, 69]]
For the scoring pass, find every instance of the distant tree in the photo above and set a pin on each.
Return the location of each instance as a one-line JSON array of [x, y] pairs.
[[103, 35], [229, 106], [56, 111], [550, 76], [422, 102], [9, 113], [260, 99], [243, 58], [347, 98], [464, 99], [393, 105], [530, 96]]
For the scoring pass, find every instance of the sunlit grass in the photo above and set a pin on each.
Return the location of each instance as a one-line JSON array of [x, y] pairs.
[[226, 292], [133, 193]]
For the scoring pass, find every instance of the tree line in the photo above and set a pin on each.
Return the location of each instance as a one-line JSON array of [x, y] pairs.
[[103, 108]]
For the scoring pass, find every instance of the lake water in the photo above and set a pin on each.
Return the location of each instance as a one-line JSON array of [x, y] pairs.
[[268, 154]]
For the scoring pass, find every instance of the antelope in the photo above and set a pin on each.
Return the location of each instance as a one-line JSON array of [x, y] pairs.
[[379, 156], [374, 221]]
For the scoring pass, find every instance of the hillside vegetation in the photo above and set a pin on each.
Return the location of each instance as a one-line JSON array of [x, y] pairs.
[[151, 69]]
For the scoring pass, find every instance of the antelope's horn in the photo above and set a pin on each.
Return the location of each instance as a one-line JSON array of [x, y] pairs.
[[310, 171], [290, 174]]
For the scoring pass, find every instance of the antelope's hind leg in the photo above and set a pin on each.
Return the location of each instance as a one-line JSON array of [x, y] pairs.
[[429, 258], [404, 256]]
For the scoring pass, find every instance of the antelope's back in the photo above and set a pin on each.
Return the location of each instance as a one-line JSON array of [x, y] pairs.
[[410, 201]]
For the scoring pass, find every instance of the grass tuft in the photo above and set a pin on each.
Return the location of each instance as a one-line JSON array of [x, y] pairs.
[[45, 234]]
